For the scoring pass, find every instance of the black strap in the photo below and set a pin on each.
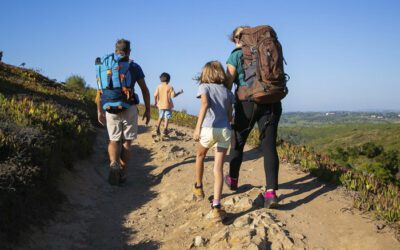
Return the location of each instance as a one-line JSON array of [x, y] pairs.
[[251, 120]]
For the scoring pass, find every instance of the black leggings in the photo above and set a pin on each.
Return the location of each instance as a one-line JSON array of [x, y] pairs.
[[267, 117]]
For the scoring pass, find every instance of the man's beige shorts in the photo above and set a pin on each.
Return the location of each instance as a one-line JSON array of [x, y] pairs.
[[124, 125], [217, 137]]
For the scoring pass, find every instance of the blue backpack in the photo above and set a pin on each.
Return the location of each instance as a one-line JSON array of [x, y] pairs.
[[114, 80]]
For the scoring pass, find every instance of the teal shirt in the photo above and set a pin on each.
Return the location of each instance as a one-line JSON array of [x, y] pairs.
[[235, 59]]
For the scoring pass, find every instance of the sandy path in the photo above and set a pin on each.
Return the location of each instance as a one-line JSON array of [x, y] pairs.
[[154, 209]]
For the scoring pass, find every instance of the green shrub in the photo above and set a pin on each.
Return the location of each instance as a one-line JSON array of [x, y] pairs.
[[75, 82]]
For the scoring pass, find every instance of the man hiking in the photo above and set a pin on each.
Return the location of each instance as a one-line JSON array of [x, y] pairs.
[[116, 105]]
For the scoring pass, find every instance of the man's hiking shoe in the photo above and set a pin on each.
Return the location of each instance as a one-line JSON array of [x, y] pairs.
[[114, 175], [122, 176], [218, 214], [198, 192], [232, 183], [270, 199]]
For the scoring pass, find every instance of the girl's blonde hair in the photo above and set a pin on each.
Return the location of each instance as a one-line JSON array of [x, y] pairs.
[[213, 72]]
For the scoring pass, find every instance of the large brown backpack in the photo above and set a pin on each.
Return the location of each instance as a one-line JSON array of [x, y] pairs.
[[263, 66]]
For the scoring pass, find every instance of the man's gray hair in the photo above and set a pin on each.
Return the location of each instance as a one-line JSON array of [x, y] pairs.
[[123, 45]]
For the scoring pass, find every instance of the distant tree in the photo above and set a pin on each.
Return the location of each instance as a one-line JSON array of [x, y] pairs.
[[390, 160], [371, 150], [353, 151], [75, 82]]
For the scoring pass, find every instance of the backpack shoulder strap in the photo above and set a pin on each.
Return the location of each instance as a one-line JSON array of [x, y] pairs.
[[236, 49]]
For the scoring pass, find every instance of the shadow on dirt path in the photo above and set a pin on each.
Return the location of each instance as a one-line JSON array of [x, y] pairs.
[[95, 215], [304, 184]]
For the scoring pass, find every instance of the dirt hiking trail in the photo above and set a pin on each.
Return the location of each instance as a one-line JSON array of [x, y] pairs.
[[155, 209]]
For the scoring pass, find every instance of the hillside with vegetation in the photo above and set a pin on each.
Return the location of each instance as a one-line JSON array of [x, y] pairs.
[[45, 127]]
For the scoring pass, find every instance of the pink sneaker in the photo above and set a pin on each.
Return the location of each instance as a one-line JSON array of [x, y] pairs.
[[270, 199], [232, 183]]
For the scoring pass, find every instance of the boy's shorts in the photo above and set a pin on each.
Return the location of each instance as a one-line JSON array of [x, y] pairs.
[[217, 137], [124, 125], [165, 113]]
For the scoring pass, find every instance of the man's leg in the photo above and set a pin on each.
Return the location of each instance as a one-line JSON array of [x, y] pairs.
[[114, 128], [113, 150], [130, 118], [125, 153]]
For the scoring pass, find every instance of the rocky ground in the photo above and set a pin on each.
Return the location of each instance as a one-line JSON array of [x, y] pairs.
[[155, 209]]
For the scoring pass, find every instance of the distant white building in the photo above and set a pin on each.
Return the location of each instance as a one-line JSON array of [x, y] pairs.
[[329, 113]]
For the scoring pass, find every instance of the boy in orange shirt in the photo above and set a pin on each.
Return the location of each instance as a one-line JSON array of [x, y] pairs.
[[163, 100]]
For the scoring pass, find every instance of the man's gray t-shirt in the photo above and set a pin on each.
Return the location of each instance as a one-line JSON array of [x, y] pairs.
[[220, 99]]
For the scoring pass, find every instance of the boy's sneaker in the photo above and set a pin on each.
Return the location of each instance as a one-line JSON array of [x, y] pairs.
[[218, 214], [270, 199], [232, 183], [158, 131], [198, 192], [114, 175], [165, 132]]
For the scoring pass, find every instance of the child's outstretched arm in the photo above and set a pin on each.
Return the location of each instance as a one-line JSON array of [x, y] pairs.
[[175, 94], [178, 93], [200, 119]]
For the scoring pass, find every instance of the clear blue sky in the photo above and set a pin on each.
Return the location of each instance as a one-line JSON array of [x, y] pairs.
[[342, 55]]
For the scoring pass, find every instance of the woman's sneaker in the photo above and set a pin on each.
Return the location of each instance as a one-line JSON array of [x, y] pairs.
[[114, 175], [218, 214], [270, 199], [232, 183], [198, 192]]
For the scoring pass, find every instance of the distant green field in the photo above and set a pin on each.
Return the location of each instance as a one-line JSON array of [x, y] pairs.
[[330, 136]]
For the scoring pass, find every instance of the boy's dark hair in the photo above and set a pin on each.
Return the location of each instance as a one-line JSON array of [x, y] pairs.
[[165, 77], [123, 45]]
